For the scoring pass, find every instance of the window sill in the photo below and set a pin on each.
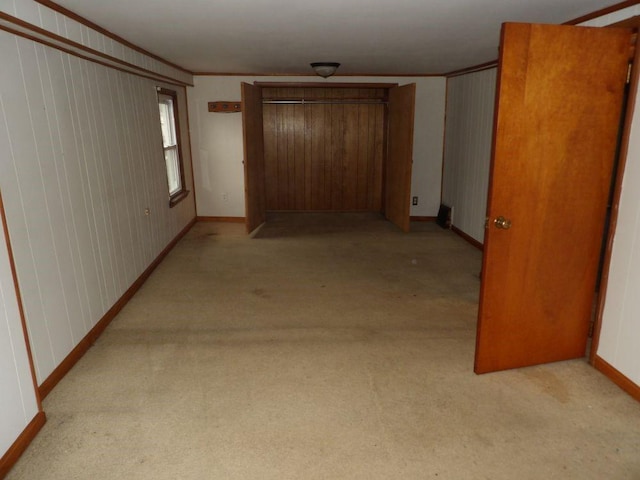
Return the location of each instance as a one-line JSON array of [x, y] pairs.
[[177, 198]]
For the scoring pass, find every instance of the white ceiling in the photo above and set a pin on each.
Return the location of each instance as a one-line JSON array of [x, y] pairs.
[[284, 36]]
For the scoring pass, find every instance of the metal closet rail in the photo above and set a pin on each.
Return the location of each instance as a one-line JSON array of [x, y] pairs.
[[345, 101]]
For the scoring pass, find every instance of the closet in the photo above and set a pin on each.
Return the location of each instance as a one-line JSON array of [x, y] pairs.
[[333, 147], [323, 148]]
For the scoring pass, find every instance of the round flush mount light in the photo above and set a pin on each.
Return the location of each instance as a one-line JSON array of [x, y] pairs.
[[325, 69]]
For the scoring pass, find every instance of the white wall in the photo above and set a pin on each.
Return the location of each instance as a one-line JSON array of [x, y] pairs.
[[620, 333], [467, 152], [18, 404], [620, 330], [81, 160], [218, 152]]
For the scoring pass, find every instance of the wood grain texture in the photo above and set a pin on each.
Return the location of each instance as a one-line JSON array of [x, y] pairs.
[[551, 174], [254, 162], [222, 219], [323, 157], [399, 160]]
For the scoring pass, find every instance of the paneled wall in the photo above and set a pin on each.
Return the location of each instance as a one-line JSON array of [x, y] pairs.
[[467, 151], [217, 141], [18, 404], [324, 156], [78, 33], [81, 163], [613, 17]]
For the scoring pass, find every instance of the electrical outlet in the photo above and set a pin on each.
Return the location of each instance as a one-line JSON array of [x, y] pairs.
[[414, 201], [225, 196]]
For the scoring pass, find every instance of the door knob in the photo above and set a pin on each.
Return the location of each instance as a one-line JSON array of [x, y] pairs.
[[502, 222]]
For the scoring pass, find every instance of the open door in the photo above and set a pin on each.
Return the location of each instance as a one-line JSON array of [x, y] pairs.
[[560, 94], [254, 171], [399, 155]]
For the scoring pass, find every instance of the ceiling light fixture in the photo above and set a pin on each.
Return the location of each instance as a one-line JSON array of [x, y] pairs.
[[325, 69]]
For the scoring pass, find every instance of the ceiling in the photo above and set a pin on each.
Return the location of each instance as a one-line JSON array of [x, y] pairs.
[[283, 36]]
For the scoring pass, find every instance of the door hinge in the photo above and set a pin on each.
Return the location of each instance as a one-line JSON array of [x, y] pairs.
[[629, 72]]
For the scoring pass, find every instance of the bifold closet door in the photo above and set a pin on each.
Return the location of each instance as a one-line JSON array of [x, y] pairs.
[[324, 157], [254, 181], [399, 164]]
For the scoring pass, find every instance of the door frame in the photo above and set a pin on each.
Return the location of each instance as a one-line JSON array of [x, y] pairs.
[[634, 83]]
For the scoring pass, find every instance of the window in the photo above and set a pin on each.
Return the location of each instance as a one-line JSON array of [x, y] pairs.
[[168, 104]]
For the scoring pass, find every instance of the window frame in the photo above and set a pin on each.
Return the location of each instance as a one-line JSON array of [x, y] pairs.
[[181, 194]]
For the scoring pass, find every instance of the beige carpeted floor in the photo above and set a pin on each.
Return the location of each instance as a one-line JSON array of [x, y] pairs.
[[328, 347]]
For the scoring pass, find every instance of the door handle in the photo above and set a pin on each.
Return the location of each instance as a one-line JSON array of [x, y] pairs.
[[502, 222]]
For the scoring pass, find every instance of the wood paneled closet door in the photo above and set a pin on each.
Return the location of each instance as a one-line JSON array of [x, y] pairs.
[[254, 169], [559, 100], [399, 162]]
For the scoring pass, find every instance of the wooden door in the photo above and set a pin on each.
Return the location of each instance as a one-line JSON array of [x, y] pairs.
[[399, 155], [254, 172], [560, 92]]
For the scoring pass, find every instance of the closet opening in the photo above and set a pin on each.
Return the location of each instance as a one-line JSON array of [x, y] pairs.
[[328, 147]]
